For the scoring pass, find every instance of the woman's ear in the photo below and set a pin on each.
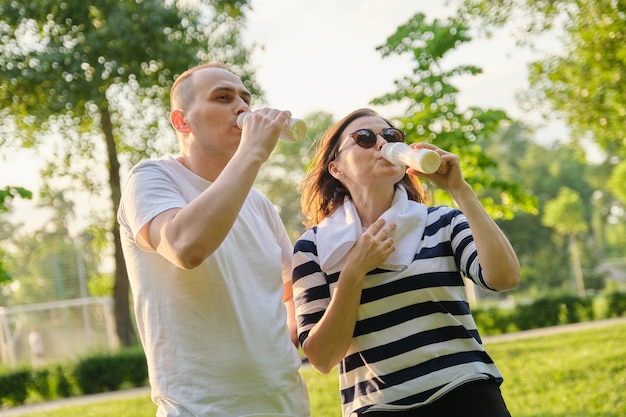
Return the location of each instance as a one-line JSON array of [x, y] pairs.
[[178, 121], [334, 170]]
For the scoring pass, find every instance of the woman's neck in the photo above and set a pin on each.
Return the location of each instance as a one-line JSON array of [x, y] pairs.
[[372, 203]]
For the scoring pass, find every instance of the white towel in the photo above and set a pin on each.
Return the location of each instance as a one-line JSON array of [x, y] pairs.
[[337, 233]]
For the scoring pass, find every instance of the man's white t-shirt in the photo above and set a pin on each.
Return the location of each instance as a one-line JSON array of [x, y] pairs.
[[215, 337]]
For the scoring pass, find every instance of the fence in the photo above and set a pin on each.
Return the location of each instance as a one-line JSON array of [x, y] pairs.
[[56, 331]]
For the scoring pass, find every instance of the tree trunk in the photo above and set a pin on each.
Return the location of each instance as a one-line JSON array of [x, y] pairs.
[[576, 265], [123, 323]]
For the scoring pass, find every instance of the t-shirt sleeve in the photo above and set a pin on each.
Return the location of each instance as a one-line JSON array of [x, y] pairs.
[[149, 191]]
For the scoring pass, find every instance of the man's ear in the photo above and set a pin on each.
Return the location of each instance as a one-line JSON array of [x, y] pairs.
[[178, 121]]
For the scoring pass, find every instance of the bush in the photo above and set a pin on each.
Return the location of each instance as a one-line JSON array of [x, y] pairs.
[[493, 320], [61, 385], [616, 303], [90, 375], [40, 383], [98, 374], [14, 387], [553, 310], [134, 367], [102, 373]]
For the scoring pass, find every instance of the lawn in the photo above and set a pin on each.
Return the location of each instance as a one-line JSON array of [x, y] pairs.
[[580, 374], [577, 374]]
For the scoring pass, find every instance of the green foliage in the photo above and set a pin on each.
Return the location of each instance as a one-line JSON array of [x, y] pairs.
[[41, 383], [565, 213], [582, 83], [134, 367], [14, 387], [4, 275], [47, 266], [90, 375], [108, 372], [618, 180], [61, 384], [75, 76], [281, 174], [616, 304], [568, 374], [98, 374], [493, 320], [550, 310], [145, 43], [432, 113], [586, 86], [542, 172], [553, 311], [7, 194], [72, 67], [100, 286]]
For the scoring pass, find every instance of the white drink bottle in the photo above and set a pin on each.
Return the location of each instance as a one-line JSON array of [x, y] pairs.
[[422, 160], [294, 131]]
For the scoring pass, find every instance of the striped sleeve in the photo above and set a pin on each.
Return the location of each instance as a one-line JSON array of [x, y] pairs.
[[464, 248], [311, 287]]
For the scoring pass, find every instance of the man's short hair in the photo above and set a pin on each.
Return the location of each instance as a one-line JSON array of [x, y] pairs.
[[182, 91]]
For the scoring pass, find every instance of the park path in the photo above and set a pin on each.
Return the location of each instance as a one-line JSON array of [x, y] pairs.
[[145, 391], [79, 400], [552, 330]]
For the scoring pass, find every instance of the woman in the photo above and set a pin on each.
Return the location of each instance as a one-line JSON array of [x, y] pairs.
[[378, 282]]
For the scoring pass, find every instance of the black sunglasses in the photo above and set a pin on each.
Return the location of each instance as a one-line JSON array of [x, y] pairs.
[[366, 138]]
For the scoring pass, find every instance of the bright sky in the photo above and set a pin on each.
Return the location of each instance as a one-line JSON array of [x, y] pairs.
[[320, 56]]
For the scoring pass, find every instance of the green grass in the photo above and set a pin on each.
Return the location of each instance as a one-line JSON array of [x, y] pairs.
[[577, 374]]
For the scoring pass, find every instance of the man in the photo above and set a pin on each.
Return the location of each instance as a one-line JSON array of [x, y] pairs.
[[205, 254]]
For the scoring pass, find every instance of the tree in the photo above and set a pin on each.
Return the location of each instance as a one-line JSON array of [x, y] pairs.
[[97, 76], [432, 113], [281, 174], [7, 194], [584, 82], [541, 171], [48, 264], [618, 180], [566, 215], [580, 82]]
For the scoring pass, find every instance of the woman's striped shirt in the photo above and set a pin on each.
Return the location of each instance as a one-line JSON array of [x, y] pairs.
[[414, 339]]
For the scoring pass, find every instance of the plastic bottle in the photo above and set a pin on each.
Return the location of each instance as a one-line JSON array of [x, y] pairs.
[[294, 131], [423, 160]]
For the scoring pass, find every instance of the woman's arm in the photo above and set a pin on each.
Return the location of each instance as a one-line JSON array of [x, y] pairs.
[[498, 260], [329, 339]]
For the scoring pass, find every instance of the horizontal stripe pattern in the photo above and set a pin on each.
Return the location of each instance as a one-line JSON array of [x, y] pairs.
[[415, 337]]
